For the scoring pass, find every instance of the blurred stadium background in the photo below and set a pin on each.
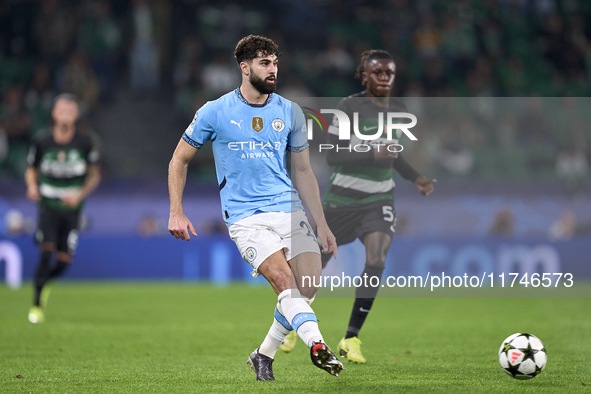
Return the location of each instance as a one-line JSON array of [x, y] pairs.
[[512, 193]]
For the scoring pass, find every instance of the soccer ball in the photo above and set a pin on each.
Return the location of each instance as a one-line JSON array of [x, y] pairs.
[[522, 356]]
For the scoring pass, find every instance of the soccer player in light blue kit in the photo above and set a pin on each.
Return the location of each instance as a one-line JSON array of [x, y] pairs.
[[252, 130]]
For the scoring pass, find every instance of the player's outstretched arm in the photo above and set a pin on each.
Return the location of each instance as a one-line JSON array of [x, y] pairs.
[[425, 185], [93, 179], [31, 177], [307, 185], [178, 224]]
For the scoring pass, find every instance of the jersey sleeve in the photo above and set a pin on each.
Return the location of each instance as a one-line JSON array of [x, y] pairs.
[[298, 137], [201, 128], [405, 169], [93, 157], [34, 156]]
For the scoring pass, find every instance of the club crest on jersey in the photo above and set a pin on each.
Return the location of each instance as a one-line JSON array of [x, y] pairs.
[[257, 123], [251, 254], [278, 125], [73, 155]]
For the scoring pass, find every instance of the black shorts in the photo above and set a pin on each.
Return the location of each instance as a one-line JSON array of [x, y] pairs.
[[59, 228], [350, 222]]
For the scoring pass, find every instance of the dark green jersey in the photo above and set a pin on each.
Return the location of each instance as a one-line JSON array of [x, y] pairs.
[[61, 167], [358, 178]]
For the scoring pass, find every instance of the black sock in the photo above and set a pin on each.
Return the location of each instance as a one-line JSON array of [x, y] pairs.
[[364, 297], [59, 268], [42, 275]]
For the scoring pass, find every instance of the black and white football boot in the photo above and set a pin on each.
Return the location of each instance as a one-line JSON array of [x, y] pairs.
[[324, 358], [262, 365]]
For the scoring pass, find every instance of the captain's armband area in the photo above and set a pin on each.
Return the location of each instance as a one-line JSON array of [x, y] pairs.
[[191, 142]]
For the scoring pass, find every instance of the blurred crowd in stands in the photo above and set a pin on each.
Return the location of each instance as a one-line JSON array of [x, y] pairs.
[[180, 52], [503, 138]]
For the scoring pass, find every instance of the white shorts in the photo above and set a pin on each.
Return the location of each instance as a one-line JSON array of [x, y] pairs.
[[259, 236]]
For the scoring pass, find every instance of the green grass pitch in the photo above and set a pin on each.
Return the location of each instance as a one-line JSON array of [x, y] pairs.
[[177, 337]]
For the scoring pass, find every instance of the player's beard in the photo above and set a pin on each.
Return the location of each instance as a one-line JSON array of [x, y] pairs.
[[262, 85]]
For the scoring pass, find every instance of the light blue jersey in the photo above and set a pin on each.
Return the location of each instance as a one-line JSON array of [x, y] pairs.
[[250, 144]]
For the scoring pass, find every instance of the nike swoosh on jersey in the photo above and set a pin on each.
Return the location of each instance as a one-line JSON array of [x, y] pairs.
[[363, 310], [369, 128]]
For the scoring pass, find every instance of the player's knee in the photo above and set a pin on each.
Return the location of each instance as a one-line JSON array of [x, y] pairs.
[[376, 249], [376, 258], [47, 247]]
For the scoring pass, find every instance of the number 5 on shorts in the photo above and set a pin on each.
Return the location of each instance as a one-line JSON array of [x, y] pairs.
[[388, 215]]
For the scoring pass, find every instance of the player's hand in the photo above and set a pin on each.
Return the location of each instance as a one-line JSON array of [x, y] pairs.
[[180, 226], [425, 185], [72, 200], [383, 153], [328, 242], [33, 193]]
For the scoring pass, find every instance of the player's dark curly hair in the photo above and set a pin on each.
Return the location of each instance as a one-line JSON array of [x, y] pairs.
[[370, 55], [251, 46]]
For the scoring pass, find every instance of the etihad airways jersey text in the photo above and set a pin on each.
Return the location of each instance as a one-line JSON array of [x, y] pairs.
[[251, 160]]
